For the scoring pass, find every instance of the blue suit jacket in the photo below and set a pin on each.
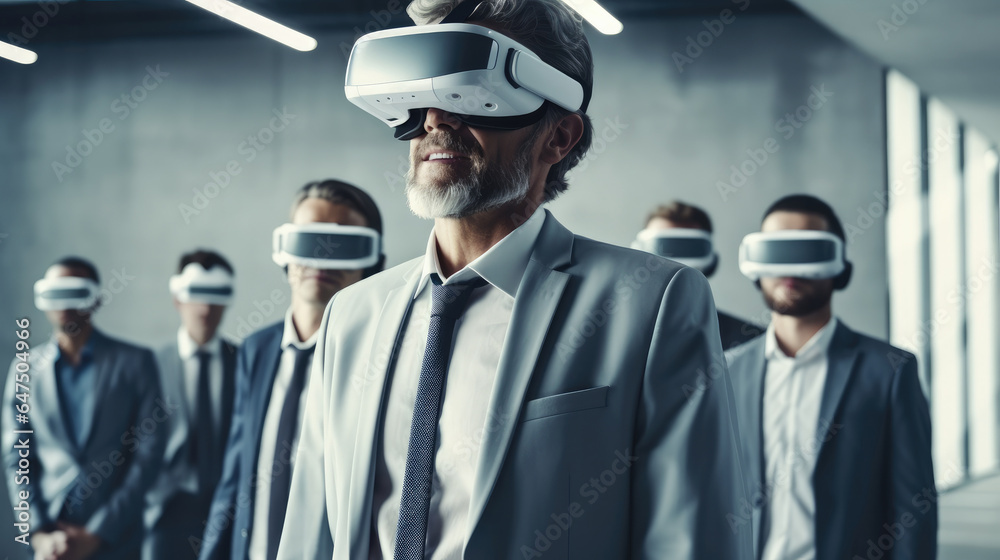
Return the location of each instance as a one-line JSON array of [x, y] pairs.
[[874, 482], [102, 483], [227, 533]]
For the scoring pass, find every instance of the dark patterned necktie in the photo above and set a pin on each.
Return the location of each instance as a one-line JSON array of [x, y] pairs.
[[447, 305]]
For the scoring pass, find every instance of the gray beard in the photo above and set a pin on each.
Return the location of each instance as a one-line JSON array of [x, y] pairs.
[[486, 189]]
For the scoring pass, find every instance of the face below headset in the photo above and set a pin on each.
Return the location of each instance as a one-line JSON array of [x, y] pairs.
[[795, 263]]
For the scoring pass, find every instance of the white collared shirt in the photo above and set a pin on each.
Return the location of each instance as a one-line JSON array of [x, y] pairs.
[[269, 434], [187, 349], [479, 338], [793, 394]]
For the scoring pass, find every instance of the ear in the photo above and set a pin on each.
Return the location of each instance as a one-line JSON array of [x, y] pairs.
[[562, 137]]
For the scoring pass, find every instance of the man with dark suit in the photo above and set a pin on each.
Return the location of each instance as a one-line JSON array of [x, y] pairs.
[[198, 372], [518, 391], [682, 232], [836, 429], [98, 423], [334, 240]]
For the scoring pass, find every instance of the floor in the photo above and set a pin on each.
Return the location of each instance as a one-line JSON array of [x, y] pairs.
[[970, 522]]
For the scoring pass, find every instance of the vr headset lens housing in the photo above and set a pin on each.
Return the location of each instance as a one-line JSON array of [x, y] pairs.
[[196, 285], [481, 76], [795, 253], [326, 246], [66, 292], [690, 247]]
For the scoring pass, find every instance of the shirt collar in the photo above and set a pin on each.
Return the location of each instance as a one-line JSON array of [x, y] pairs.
[[815, 346], [503, 265], [290, 337], [86, 353], [186, 346]]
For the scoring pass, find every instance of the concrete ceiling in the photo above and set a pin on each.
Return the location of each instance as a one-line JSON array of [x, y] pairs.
[[951, 49]]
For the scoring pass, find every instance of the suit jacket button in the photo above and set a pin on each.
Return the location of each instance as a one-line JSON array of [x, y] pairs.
[[243, 533], [757, 503]]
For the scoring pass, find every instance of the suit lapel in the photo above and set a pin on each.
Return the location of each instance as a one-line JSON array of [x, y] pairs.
[[103, 363], [842, 357], [228, 390], [48, 392], [267, 364], [537, 298], [388, 336]]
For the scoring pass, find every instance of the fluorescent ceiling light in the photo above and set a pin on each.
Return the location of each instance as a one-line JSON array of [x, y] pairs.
[[17, 54], [593, 12], [256, 22]]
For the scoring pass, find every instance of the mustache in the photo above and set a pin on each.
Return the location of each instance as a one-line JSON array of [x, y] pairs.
[[452, 142]]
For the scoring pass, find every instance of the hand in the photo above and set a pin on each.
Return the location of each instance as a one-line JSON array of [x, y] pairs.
[[49, 545], [80, 544]]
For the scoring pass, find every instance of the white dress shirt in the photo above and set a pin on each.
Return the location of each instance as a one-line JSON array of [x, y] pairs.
[[269, 433], [478, 341], [793, 393], [187, 349]]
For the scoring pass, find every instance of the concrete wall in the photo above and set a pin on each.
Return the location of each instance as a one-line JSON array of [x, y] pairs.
[[671, 128]]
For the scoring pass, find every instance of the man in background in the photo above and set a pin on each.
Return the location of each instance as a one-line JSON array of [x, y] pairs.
[[198, 374], [334, 240], [836, 429], [682, 232], [98, 424]]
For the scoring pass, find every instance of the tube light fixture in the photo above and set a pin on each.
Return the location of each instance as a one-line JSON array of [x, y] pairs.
[[17, 54], [256, 22], [593, 12]]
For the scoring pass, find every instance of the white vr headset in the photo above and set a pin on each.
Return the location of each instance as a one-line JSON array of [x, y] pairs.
[[793, 253], [484, 78], [688, 246], [66, 292], [326, 246], [196, 285]]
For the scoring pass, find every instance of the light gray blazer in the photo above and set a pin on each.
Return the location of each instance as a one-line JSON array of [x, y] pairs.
[[100, 484], [873, 480], [607, 369]]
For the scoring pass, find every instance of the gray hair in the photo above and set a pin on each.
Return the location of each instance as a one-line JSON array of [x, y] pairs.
[[552, 31]]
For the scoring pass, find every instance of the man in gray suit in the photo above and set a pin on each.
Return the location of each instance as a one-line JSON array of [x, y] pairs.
[[94, 428], [836, 429], [518, 391], [682, 232], [198, 373]]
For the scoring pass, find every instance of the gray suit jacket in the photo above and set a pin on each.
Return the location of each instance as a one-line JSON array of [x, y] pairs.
[[175, 459], [873, 476], [613, 442], [100, 485]]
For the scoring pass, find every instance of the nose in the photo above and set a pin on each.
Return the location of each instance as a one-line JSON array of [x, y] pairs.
[[436, 118]]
